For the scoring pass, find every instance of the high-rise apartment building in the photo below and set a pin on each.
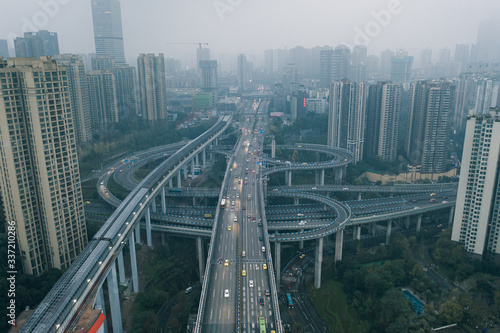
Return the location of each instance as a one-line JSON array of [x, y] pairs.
[[78, 89], [102, 63], [385, 62], [477, 216], [242, 71], [325, 68], [430, 108], [341, 62], [401, 67], [103, 101], [126, 90], [425, 57], [346, 120], [461, 56], [37, 44], [153, 88], [488, 48], [383, 110], [108, 35], [39, 175], [209, 77], [4, 49], [358, 71]]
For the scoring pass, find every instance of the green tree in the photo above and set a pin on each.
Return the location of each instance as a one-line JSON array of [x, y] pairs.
[[451, 312]]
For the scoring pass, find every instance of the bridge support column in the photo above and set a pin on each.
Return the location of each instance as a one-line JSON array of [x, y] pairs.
[[296, 201], [138, 232], [322, 178], [121, 268], [265, 189], [163, 203], [339, 175], [197, 159], [148, 228], [114, 300], [317, 263], [301, 243], [153, 205], [357, 233], [360, 196], [419, 222], [316, 177], [99, 303], [201, 257], [452, 213], [185, 171], [373, 228], [179, 179], [204, 158], [389, 230], [170, 183], [133, 263], [192, 168], [277, 263], [288, 176], [339, 243], [164, 239], [407, 222]]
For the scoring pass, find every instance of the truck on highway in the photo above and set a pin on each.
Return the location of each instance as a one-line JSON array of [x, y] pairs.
[[249, 197]]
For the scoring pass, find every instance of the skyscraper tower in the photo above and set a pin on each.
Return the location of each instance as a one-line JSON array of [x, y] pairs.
[[103, 101], [242, 72], [430, 108], [79, 93], [39, 175], [209, 77], [401, 67], [4, 49], [108, 35], [358, 63], [152, 85], [37, 44], [325, 68], [346, 120], [477, 216]]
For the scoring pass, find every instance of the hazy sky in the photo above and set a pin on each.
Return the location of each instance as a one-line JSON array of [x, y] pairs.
[[251, 26]]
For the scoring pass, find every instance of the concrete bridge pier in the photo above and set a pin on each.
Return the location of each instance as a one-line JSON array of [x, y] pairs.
[[452, 213], [164, 239], [317, 263], [277, 263], [264, 181], [121, 268], [388, 234], [179, 179], [339, 175], [197, 159], [114, 300], [138, 232], [360, 196], [339, 242], [133, 263], [192, 168], [419, 222], [373, 228], [148, 228], [153, 205], [356, 235], [296, 201], [163, 203], [316, 177], [204, 158], [407, 222], [301, 243], [201, 257], [170, 183], [288, 177], [322, 178], [185, 167], [99, 304]]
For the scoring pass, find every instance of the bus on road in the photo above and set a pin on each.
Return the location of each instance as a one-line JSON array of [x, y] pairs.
[[289, 300], [223, 203], [262, 323]]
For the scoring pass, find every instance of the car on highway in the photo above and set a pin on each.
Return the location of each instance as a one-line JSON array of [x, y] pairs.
[[229, 227], [261, 238], [268, 293], [300, 214], [88, 202], [302, 255], [243, 273], [226, 263], [244, 208], [226, 293], [261, 301], [260, 224], [250, 283], [253, 218], [264, 266], [235, 219]]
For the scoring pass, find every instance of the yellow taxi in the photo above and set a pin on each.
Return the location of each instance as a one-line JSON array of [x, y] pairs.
[[243, 273], [226, 263], [264, 266], [229, 227]]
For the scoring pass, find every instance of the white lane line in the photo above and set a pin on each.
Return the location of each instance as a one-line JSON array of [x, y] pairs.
[[220, 313], [215, 276], [211, 313], [230, 276], [228, 313], [214, 294]]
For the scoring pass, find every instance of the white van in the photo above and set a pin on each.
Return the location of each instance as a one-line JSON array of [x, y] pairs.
[[243, 253], [263, 249]]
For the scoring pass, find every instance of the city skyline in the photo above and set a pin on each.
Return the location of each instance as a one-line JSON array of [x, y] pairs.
[[367, 23]]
